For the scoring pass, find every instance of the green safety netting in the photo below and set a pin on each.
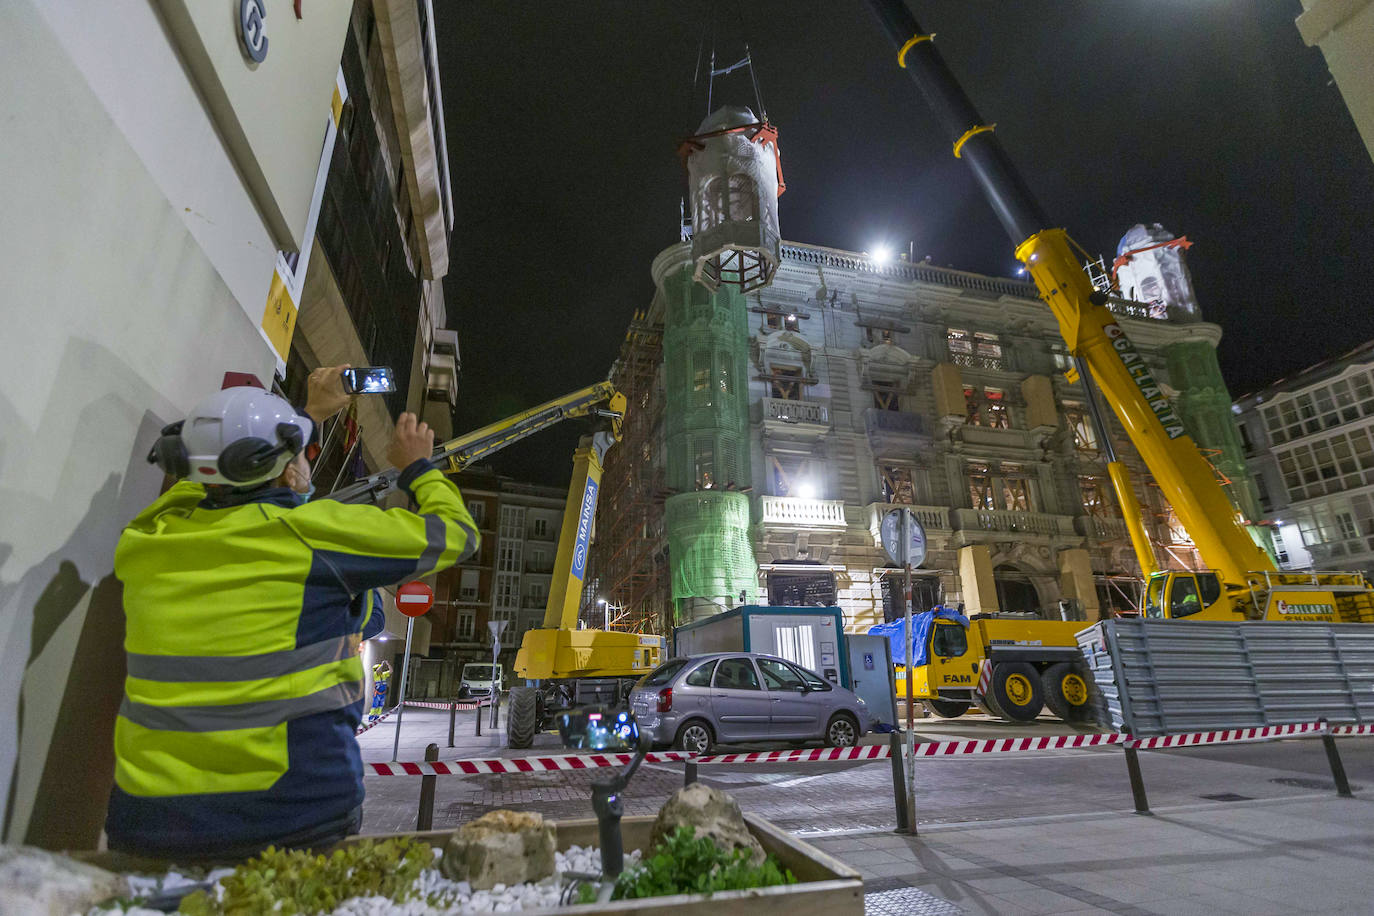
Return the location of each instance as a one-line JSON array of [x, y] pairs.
[[706, 437]]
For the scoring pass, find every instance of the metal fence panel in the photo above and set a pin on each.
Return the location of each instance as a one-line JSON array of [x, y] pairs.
[[1160, 677]]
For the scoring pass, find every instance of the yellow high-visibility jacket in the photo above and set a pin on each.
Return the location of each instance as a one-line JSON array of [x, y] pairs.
[[244, 619]]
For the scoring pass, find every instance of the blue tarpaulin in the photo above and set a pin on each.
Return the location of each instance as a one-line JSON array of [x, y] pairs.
[[921, 625]]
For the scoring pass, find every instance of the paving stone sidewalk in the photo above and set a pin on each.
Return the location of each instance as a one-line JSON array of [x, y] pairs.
[[1308, 855]]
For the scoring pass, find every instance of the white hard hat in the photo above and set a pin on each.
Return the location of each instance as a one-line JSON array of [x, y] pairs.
[[235, 437]]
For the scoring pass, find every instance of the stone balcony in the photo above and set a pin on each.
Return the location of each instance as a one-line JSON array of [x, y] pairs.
[[1101, 529], [795, 512], [795, 416], [1002, 520], [932, 518]]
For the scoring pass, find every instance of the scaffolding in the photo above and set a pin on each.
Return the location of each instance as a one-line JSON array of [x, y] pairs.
[[627, 569]]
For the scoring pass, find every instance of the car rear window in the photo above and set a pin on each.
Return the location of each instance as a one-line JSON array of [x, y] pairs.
[[701, 677], [664, 673]]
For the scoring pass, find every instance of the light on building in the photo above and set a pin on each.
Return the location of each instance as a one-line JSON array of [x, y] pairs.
[[806, 490], [601, 602], [1020, 270], [882, 254]]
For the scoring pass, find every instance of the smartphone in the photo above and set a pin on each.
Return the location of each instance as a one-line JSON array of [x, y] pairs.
[[368, 380]]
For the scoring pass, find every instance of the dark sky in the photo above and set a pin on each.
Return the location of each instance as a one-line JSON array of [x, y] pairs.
[[1211, 118]]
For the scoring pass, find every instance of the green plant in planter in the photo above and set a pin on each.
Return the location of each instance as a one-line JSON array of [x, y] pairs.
[[292, 881], [684, 863]]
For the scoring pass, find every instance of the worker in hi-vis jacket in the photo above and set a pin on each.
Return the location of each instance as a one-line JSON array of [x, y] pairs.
[[246, 605]]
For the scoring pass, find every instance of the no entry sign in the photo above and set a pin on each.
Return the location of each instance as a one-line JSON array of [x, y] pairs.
[[414, 598]]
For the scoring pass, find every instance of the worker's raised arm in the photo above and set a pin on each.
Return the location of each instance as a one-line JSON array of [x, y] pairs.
[[367, 547]]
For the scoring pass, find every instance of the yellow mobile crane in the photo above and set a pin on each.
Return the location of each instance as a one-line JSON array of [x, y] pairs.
[[569, 666], [1243, 583]]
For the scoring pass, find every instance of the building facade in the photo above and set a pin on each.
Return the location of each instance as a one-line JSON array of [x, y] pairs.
[[181, 221], [1309, 440], [868, 386], [508, 580]]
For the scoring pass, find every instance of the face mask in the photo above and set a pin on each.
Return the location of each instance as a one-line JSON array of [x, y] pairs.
[[303, 498]]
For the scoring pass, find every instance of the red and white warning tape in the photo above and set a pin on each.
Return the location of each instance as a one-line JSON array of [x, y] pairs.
[[519, 764], [376, 721], [822, 754], [1264, 733], [1350, 731], [1014, 745]]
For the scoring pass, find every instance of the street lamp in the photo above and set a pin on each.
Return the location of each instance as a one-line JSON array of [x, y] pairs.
[[882, 254], [806, 490]]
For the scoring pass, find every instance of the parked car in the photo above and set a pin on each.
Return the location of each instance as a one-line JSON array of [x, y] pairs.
[[694, 703], [479, 680]]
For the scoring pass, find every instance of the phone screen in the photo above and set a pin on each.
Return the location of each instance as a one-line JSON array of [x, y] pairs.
[[371, 380]]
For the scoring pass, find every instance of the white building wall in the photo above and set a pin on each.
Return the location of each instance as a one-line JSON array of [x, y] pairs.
[[133, 272]]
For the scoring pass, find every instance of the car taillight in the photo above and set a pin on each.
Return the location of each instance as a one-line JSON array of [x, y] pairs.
[[665, 699]]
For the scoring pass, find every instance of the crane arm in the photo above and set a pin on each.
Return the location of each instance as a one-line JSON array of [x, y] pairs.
[[600, 399], [1089, 329]]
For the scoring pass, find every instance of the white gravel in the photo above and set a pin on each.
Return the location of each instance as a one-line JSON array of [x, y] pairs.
[[438, 895]]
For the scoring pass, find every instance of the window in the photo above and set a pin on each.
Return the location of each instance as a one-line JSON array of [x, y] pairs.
[[1346, 523], [701, 378], [1154, 596], [815, 682], [777, 676], [704, 464], [541, 530], [1280, 549], [478, 511], [1080, 422], [1177, 533], [723, 384], [786, 383], [1183, 597], [1245, 438], [736, 674], [886, 396], [897, 484], [776, 321], [507, 591], [792, 475], [880, 335], [1096, 500], [980, 487], [506, 616], [797, 644], [987, 407], [1209, 586], [726, 197], [537, 595], [467, 623], [664, 673], [508, 555], [948, 640], [979, 349], [1016, 494], [701, 677], [513, 522], [539, 560], [468, 585]]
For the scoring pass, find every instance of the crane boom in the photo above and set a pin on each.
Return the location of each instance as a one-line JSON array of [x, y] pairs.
[[1089, 329], [473, 446]]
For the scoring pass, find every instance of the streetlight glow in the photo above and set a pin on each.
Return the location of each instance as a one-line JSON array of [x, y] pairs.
[[882, 254], [806, 490]]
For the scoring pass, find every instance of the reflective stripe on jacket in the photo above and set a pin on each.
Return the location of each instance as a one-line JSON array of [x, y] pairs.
[[244, 686]]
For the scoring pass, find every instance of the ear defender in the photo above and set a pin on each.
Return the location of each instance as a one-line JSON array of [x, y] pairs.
[[250, 458], [169, 452]]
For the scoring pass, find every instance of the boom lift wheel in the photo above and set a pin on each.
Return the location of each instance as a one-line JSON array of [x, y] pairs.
[[947, 709], [1016, 690], [1066, 692], [522, 719]]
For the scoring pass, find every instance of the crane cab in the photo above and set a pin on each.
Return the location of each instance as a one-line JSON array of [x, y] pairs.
[[1175, 595]]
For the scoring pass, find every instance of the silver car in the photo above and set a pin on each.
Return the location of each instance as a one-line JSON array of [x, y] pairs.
[[694, 703]]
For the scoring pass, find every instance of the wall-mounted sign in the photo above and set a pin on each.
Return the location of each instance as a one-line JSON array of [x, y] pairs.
[[252, 31]]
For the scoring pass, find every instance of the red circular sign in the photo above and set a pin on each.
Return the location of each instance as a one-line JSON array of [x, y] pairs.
[[414, 598]]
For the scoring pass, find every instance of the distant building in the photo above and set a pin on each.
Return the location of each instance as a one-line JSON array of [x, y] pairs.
[[1309, 441], [1344, 30], [508, 579]]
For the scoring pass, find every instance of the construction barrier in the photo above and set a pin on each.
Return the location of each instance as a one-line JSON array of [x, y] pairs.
[[452, 704], [432, 767], [376, 721]]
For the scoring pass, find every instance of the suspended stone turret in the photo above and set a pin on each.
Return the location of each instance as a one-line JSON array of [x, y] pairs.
[[1150, 269], [734, 177]]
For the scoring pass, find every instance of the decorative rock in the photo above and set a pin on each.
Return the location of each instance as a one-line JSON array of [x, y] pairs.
[[53, 884], [500, 848], [712, 813]]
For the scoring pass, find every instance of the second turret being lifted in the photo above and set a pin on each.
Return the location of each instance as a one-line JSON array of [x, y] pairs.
[[734, 177]]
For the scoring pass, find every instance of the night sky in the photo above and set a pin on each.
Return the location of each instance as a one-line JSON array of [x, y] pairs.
[[1211, 118]]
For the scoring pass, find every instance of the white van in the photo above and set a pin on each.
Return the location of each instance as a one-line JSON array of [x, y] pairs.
[[479, 679]]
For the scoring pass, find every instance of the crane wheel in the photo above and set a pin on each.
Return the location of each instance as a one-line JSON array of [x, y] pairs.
[[1017, 691], [1066, 692], [947, 709], [522, 717]]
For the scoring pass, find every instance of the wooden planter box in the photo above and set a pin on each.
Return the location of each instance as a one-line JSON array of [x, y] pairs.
[[825, 885]]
